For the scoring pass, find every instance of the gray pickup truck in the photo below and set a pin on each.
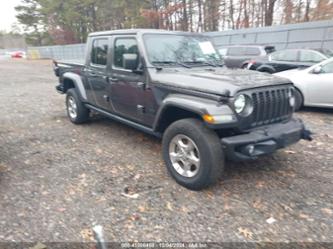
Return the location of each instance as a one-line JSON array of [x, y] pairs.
[[172, 85]]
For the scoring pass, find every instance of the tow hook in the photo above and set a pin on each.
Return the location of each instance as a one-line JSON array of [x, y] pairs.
[[307, 135]]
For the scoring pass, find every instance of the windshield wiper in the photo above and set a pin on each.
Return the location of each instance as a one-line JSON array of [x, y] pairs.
[[205, 63], [172, 63]]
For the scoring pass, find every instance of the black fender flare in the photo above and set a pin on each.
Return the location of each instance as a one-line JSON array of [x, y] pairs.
[[196, 105], [77, 80]]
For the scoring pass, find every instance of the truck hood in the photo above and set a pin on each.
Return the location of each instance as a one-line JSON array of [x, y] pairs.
[[220, 81]]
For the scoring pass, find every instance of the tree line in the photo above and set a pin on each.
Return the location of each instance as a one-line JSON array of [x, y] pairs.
[[70, 21]]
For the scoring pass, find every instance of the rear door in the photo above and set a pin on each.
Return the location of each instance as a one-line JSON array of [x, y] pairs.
[[96, 72]]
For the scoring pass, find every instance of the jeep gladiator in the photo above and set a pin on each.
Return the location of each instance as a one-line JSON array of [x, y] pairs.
[[172, 85]]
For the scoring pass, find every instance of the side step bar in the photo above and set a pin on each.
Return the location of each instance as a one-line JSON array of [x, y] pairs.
[[125, 121]]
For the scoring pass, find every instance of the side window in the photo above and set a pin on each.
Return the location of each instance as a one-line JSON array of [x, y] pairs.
[[124, 46], [252, 51], [287, 55], [235, 51], [310, 56], [99, 52], [327, 68]]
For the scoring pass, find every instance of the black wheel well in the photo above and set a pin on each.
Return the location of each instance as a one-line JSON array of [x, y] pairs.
[[172, 114], [68, 84], [302, 95], [297, 89]]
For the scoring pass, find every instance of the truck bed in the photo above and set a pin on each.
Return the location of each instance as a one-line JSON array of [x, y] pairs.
[[63, 66], [77, 62]]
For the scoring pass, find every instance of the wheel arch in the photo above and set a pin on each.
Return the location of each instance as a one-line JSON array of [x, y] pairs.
[[173, 112], [72, 80], [245, 63], [301, 92], [68, 84], [179, 106]]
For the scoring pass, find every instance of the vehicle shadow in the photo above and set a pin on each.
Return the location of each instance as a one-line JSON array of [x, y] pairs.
[[316, 110], [247, 172]]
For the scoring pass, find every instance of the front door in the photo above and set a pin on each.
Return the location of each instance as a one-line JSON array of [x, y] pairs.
[[127, 87], [96, 72], [320, 86]]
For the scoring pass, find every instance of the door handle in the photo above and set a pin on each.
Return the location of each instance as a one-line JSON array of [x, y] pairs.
[[113, 79]]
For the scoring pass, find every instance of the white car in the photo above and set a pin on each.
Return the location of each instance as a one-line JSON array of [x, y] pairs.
[[314, 84]]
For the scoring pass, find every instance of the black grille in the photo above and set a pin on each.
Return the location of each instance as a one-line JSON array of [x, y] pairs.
[[270, 106]]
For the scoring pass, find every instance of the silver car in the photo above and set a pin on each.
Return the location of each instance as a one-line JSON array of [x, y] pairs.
[[314, 84], [237, 56]]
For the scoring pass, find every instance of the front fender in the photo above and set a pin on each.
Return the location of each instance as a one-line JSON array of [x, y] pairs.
[[196, 105], [76, 79]]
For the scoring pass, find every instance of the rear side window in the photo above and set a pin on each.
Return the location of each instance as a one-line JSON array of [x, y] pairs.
[[233, 51], [310, 56], [286, 55], [252, 51], [99, 52], [124, 46]]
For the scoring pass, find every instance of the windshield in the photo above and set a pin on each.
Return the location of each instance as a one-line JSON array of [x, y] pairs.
[[180, 49]]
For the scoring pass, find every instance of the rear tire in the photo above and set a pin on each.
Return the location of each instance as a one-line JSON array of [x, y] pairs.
[[76, 111], [193, 154], [298, 100]]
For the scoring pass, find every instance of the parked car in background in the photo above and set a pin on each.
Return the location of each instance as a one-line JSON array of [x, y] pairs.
[[16, 54], [289, 59], [238, 56], [314, 85]]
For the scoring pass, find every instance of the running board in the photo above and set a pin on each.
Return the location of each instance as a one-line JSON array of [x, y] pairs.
[[125, 121]]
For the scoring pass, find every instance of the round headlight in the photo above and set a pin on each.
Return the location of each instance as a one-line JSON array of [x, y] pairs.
[[240, 103]]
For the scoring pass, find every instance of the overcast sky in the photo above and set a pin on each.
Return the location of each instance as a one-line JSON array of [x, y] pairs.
[[7, 13]]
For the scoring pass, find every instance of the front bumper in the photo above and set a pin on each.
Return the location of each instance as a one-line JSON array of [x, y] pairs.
[[264, 140]]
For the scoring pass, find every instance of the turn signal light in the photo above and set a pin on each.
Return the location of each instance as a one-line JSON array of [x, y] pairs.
[[208, 118]]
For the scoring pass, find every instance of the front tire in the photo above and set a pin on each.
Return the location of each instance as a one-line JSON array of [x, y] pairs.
[[76, 111], [193, 154]]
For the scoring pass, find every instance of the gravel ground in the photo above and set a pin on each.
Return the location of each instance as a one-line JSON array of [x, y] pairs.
[[58, 179]]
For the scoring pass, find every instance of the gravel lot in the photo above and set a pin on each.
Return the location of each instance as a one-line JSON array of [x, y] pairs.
[[57, 179]]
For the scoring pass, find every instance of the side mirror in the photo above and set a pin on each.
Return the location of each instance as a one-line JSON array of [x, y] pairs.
[[130, 61], [317, 70]]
